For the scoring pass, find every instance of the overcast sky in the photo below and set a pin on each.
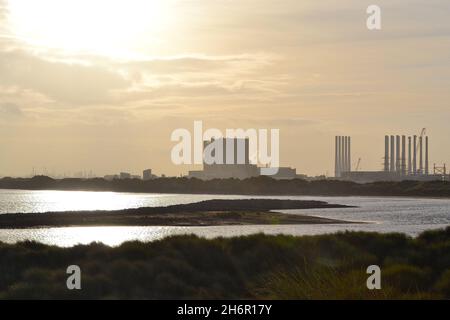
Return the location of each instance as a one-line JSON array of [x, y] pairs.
[[86, 85]]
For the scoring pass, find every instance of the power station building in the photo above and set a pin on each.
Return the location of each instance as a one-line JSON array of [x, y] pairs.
[[233, 163]]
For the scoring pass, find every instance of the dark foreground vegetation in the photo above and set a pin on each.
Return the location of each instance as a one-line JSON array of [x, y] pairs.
[[258, 266], [254, 186], [203, 213]]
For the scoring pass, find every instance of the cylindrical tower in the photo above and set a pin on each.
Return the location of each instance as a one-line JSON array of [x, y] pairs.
[[386, 153], [349, 154], [397, 154], [336, 156], [421, 155], [426, 156], [409, 156], [403, 160], [415, 155], [392, 158]]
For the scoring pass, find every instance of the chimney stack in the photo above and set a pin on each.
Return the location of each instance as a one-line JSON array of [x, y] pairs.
[[403, 160], [421, 155], [426, 156], [349, 154], [392, 158], [397, 154], [386, 153], [415, 155], [344, 154], [409, 156], [336, 156]]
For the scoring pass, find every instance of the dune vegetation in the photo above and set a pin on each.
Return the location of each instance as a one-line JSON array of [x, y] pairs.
[[256, 267]]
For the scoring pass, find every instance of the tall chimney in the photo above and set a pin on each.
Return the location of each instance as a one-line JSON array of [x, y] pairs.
[[392, 154], [336, 156], [345, 153], [386, 153], [341, 159], [349, 154], [397, 154], [403, 161], [421, 155], [409, 156], [415, 155], [426, 156], [340, 155]]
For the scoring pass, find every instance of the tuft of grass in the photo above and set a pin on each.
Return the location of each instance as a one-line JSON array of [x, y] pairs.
[[320, 283]]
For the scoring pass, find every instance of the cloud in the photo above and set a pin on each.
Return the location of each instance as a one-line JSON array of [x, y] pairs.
[[201, 63], [3, 9], [294, 121], [67, 83], [79, 82], [3, 16], [197, 78], [10, 111]]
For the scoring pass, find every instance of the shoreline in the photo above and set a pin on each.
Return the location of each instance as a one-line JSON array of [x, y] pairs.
[[261, 186], [322, 195], [202, 214]]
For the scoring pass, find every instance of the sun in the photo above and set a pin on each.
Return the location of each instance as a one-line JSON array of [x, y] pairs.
[[106, 27]]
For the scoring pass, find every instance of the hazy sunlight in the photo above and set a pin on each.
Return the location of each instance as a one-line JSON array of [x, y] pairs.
[[89, 26]]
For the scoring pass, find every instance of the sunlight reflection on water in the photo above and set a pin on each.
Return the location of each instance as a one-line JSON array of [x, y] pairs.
[[386, 214]]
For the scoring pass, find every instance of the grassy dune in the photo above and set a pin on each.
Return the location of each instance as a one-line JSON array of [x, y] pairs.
[[258, 266]]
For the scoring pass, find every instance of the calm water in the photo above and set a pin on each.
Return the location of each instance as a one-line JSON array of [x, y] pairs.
[[385, 214]]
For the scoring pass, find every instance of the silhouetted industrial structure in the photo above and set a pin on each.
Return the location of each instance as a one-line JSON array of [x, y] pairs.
[[342, 155], [148, 175], [234, 162], [401, 156]]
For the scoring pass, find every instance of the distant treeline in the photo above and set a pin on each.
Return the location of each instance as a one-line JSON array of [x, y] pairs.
[[253, 186], [252, 267]]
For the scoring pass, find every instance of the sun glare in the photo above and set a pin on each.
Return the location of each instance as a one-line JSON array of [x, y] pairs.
[[107, 27]]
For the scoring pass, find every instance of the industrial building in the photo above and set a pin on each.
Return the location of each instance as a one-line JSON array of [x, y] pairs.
[[147, 175], [286, 173], [121, 176], [124, 175], [235, 162], [405, 158]]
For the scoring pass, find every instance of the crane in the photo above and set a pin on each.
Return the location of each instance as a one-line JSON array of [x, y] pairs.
[[358, 165], [422, 134]]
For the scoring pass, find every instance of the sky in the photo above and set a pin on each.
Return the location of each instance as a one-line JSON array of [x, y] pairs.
[[97, 85]]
